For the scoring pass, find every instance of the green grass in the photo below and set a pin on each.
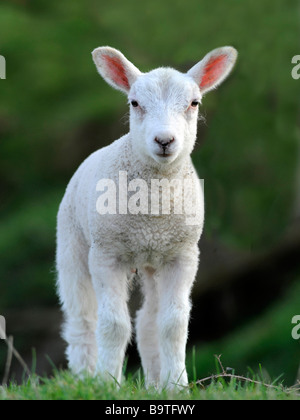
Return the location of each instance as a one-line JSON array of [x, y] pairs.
[[64, 386], [265, 340], [261, 351]]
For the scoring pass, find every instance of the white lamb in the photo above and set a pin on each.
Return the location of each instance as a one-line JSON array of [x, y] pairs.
[[97, 254]]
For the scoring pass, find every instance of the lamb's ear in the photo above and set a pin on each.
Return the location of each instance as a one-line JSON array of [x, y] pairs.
[[115, 68], [214, 68]]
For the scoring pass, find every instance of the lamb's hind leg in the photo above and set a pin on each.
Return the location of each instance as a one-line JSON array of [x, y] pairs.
[[78, 303], [146, 330]]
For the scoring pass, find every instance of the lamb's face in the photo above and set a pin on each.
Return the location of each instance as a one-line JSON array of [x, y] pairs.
[[163, 116], [164, 102]]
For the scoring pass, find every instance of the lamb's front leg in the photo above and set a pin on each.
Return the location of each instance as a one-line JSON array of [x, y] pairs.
[[175, 283], [114, 324]]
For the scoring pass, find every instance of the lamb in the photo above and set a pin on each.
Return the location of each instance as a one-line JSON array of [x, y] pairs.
[[99, 252]]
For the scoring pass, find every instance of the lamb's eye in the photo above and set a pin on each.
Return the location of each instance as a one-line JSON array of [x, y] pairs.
[[195, 104], [135, 104]]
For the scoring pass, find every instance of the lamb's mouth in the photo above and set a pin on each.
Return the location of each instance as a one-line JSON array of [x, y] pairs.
[[164, 155]]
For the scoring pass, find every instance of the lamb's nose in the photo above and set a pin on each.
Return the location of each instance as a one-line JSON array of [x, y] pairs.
[[164, 142]]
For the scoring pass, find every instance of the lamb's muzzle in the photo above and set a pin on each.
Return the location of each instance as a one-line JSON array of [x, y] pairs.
[[164, 144]]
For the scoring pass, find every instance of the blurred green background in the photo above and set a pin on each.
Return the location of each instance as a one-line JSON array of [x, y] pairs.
[[55, 110]]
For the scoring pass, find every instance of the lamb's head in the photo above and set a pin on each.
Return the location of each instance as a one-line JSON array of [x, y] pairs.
[[164, 102]]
